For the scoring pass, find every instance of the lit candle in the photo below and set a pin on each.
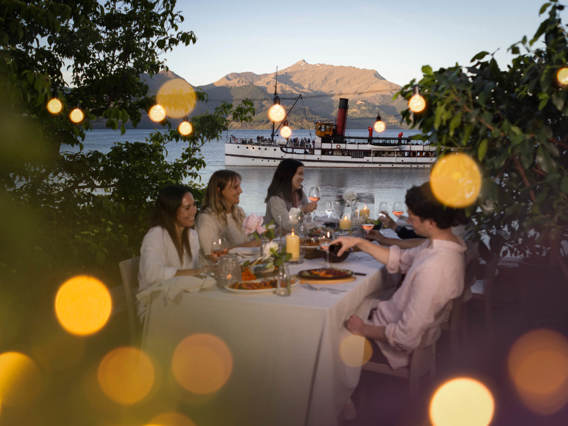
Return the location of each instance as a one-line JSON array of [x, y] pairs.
[[293, 245], [345, 223], [365, 212]]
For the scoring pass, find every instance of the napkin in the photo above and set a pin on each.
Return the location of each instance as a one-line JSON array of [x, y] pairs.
[[171, 290]]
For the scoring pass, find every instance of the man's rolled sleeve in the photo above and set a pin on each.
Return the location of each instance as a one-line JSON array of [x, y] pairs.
[[393, 262]]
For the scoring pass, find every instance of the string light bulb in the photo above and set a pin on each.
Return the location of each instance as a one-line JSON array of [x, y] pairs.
[[380, 125], [157, 113], [76, 115], [276, 113], [54, 106], [185, 128], [562, 76], [417, 103], [286, 131]]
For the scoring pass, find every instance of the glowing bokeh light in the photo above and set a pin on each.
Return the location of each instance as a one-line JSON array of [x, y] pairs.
[[126, 375], [83, 305], [276, 113], [202, 363], [157, 113], [54, 106], [185, 128], [538, 367], [455, 180], [355, 350], [380, 126], [286, 132], [562, 76], [177, 97], [76, 115], [417, 103], [462, 401], [171, 419], [20, 379]]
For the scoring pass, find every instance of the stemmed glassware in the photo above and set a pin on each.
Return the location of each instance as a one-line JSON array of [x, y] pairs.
[[325, 240], [314, 196], [383, 207], [329, 209], [219, 247], [398, 209]]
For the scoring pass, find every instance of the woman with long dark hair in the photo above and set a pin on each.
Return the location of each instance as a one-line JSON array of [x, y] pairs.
[[285, 191], [171, 246]]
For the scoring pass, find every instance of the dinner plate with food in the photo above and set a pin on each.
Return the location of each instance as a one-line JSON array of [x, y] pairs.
[[325, 274], [267, 285]]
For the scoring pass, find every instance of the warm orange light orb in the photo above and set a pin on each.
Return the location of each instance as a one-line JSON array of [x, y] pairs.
[[355, 350], [455, 180], [157, 113], [380, 126], [20, 379], [538, 367], [202, 363], [462, 401], [185, 128], [126, 375], [54, 106], [76, 115], [286, 132], [562, 76], [417, 103], [177, 97], [83, 305], [276, 113]]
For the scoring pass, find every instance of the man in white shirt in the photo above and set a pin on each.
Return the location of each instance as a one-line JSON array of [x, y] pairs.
[[434, 276]]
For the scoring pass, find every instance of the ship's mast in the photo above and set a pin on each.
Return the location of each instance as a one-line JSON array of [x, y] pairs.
[[275, 100]]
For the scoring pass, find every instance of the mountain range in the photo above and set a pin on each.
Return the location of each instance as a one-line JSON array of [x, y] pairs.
[[320, 85]]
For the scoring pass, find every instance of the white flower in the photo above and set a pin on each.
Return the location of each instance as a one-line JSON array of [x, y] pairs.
[[294, 215], [349, 196], [267, 248]]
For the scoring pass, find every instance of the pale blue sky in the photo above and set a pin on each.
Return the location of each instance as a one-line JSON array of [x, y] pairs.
[[393, 37]]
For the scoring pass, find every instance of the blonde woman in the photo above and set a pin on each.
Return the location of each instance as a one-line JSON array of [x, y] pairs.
[[221, 216]]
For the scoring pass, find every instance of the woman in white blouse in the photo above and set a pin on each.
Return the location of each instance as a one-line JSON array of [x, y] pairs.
[[170, 247], [285, 191], [221, 216]]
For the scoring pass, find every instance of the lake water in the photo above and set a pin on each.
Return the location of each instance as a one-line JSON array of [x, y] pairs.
[[388, 185]]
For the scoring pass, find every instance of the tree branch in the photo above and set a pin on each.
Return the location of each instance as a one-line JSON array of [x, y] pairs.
[[523, 174]]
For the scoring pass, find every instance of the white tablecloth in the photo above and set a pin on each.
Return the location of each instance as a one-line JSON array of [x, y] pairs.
[[286, 365]]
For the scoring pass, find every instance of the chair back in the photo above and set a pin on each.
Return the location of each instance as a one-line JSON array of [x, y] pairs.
[[129, 275]]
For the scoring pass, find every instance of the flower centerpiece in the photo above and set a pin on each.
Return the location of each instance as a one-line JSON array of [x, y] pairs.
[[253, 225]]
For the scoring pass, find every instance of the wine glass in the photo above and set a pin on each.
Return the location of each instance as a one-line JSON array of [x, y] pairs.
[[313, 196], [367, 227], [218, 247], [324, 243], [383, 207], [398, 208], [329, 208]]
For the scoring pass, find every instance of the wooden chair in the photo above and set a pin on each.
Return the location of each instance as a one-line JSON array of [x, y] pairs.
[[422, 362], [129, 275]]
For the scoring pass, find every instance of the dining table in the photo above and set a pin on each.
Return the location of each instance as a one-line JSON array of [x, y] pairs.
[[286, 368]]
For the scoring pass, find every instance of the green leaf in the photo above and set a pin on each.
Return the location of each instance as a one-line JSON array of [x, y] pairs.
[[482, 149], [455, 122], [479, 56], [558, 100], [426, 70], [543, 8]]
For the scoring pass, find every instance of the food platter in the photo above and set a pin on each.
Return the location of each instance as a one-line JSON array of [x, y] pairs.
[[267, 285], [325, 274]]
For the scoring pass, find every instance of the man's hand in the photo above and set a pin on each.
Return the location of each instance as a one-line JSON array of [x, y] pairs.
[[386, 220]]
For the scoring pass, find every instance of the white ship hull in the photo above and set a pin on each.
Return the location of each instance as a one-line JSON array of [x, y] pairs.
[[331, 155]]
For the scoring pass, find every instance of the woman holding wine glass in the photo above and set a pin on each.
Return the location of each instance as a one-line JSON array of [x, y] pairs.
[[221, 217], [285, 191], [171, 246]]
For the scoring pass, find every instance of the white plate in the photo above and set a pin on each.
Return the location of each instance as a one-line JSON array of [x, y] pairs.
[[262, 290]]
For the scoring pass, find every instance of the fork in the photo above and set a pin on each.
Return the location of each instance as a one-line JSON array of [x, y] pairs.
[[330, 290]]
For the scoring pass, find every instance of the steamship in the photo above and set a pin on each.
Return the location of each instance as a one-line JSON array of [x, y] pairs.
[[331, 148]]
